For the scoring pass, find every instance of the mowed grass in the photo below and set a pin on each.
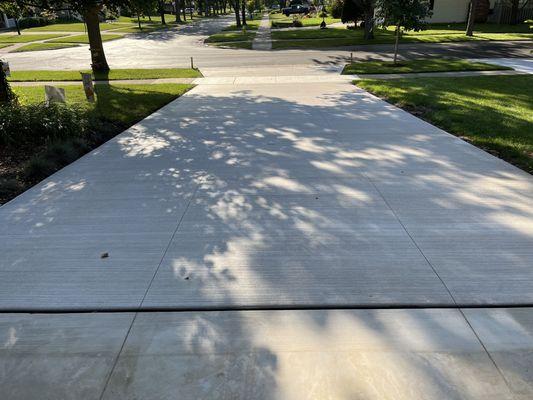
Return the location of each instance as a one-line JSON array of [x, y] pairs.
[[43, 46], [27, 38], [279, 20], [419, 65], [230, 36], [83, 39], [334, 37], [72, 27], [2, 45], [114, 74], [251, 25], [126, 104], [494, 113]]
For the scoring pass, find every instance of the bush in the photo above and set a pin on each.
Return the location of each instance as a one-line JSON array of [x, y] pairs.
[[55, 157], [297, 23], [36, 125], [31, 22]]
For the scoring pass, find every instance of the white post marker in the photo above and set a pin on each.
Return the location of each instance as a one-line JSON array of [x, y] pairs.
[[5, 68], [54, 94], [88, 86]]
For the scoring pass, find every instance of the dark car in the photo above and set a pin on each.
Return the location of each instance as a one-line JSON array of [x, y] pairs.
[[296, 8]]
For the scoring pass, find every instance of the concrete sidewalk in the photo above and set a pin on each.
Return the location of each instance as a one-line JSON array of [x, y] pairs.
[[267, 196]]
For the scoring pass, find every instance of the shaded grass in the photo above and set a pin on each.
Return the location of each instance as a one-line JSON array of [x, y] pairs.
[[122, 103], [72, 27], [282, 21], [493, 113], [235, 45], [2, 45], [251, 25], [231, 36], [420, 65], [334, 37], [43, 46], [22, 76], [27, 38], [83, 39]]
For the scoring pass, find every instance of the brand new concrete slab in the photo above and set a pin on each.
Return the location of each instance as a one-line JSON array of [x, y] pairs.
[[280, 195]]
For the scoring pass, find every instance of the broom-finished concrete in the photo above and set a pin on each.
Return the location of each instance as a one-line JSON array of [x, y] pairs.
[[263, 196]]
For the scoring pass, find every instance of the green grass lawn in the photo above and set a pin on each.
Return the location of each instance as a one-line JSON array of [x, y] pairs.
[[251, 25], [122, 103], [492, 112], [420, 65], [2, 45], [83, 39], [26, 38], [231, 36], [145, 28], [25, 76], [72, 27], [235, 45], [154, 18], [333, 37], [43, 46], [282, 21]]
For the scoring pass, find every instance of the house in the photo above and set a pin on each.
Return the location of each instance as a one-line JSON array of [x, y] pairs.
[[6, 22], [446, 11]]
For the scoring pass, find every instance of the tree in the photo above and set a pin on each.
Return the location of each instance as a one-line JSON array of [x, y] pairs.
[[236, 8], [514, 12], [351, 12], [367, 7], [177, 10], [161, 8], [471, 18], [406, 15]]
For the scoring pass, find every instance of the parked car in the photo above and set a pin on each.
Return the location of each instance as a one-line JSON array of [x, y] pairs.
[[297, 7], [275, 7]]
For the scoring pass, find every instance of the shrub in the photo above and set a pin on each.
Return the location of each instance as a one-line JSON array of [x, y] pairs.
[[31, 22], [297, 23], [35, 125], [56, 156]]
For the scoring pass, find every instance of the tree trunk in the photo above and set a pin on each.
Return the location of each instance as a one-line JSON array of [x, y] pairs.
[[18, 27], [237, 13], [369, 24], [177, 6], [514, 12], [471, 18], [243, 10], [99, 62], [190, 8], [139, 22], [162, 12], [184, 5], [397, 40]]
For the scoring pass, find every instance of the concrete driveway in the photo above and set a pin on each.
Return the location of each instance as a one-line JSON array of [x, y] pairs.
[[275, 233], [248, 227]]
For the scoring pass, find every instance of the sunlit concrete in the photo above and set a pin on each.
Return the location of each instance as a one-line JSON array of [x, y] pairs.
[[243, 355]]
